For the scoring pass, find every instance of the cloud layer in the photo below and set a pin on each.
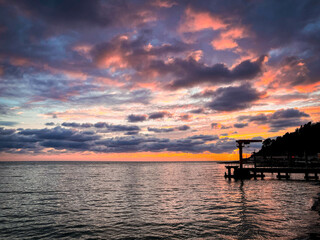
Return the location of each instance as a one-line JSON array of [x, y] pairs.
[[62, 139], [117, 76]]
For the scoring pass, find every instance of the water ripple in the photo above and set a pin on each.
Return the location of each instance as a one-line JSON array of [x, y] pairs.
[[95, 200]]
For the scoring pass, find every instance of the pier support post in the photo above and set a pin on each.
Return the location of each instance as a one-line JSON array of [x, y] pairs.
[[286, 176]]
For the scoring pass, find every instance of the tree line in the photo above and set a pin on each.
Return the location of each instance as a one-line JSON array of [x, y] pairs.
[[303, 141]]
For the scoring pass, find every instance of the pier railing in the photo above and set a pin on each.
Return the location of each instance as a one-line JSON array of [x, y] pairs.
[[284, 167]]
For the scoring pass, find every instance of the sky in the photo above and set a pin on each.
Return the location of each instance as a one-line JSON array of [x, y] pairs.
[[160, 80]]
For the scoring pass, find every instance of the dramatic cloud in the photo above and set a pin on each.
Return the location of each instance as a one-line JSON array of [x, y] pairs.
[[158, 115], [234, 98], [4, 131], [96, 68], [136, 118], [170, 129], [38, 140], [240, 125], [204, 137], [197, 111], [160, 130], [193, 73], [278, 120], [183, 128]]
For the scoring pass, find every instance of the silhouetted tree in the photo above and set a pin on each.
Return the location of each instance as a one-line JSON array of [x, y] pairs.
[[304, 140]]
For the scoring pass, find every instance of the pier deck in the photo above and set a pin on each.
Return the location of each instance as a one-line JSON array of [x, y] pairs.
[[283, 172]]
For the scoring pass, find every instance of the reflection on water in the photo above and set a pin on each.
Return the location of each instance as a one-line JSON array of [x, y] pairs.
[[149, 200]]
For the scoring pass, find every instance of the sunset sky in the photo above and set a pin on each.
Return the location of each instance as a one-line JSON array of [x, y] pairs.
[[154, 80]]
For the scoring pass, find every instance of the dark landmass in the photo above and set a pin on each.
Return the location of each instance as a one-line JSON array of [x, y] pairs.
[[303, 141]]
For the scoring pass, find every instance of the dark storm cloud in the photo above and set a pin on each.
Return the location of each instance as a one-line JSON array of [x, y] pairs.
[[260, 118], [160, 130], [11, 142], [288, 113], [133, 52], [136, 118], [38, 38], [132, 133], [197, 111], [204, 137], [240, 125], [103, 125], [278, 120], [70, 14], [187, 72], [183, 128], [44, 32], [65, 144], [158, 115], [122, 128], [287, 28], [191, 72], [37, 140], [4, 131], [234, 98], [49, 124], [72, 124], [58, 133], [143, 117], [171, 129]]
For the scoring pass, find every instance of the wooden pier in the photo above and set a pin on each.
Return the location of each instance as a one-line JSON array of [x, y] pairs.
[[239, 171], [259, 172]]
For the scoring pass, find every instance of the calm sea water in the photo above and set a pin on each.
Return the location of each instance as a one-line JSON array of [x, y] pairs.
[[178, 200]]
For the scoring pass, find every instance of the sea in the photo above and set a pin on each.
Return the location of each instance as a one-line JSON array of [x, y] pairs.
[[150, 200]]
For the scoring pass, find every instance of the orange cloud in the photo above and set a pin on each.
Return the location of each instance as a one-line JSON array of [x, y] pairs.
[[197, 21], [314, 112], [308, 88], [163, 3], [196, 55], [227, 39], [18, 61]]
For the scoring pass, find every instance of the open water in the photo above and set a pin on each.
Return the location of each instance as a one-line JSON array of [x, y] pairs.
[[161, 200]]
